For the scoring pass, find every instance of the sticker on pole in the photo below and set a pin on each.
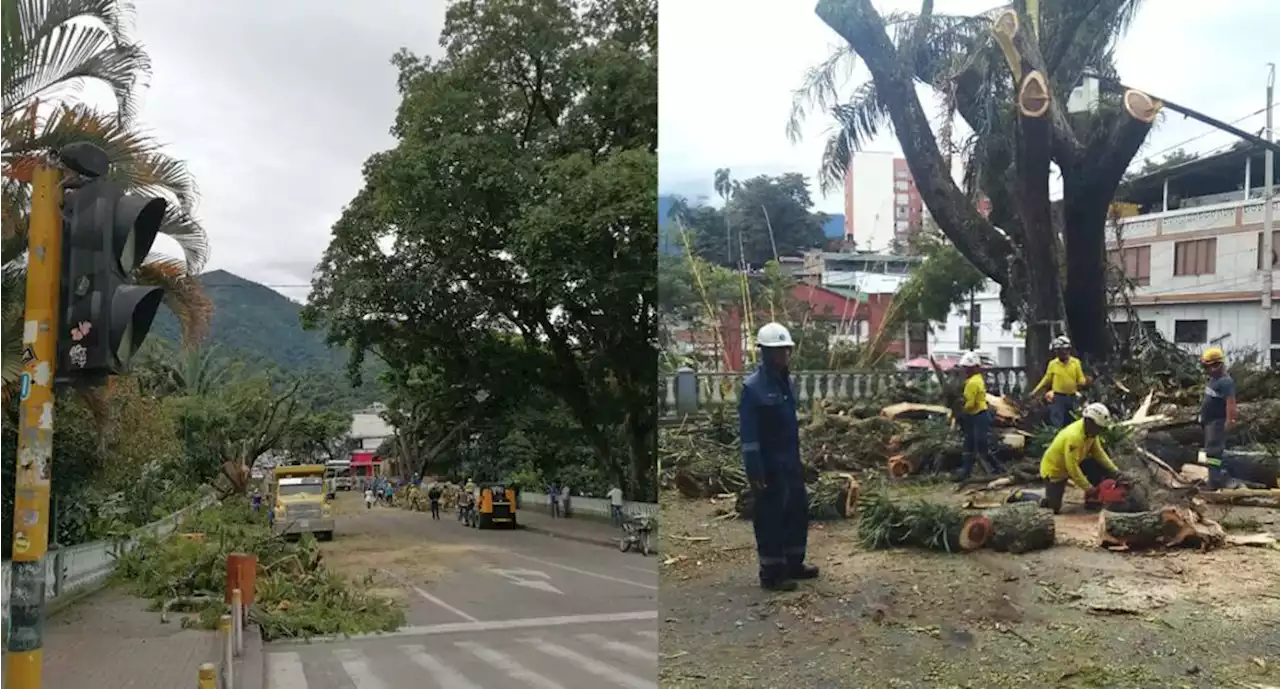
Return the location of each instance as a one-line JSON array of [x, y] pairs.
[[20, 543], [25, 386], [28, 355]]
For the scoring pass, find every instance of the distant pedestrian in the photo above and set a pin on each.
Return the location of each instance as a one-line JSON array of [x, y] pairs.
[[433, 494], [554, 496], [368, 498], [615, 505], [564, 501]]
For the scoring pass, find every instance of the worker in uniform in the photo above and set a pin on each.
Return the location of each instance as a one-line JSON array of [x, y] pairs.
[[771, 456], [1217, 414], [1064, 377], [975, 419], [1077, 455]]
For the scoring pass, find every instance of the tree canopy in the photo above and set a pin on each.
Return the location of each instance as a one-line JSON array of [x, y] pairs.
[[508, 240]]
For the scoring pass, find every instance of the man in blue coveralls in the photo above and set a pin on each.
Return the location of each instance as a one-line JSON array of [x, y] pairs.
[[771, 454]]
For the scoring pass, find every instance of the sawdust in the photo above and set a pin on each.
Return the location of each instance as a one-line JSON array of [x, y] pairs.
[[406, 556]]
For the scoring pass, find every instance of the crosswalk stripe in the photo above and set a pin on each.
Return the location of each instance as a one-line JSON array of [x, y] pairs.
[[626, 649], [285, 671], [445, 676], [507, 664], [591, 665], [353, 662], [648, 634]]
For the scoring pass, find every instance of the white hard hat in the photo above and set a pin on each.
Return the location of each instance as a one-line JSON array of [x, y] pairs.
[[774, 335], [1061, 342], [1098, 413], [970, 358]]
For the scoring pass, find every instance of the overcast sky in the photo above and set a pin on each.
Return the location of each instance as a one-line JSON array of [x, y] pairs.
[[729, 67], [275, 106]]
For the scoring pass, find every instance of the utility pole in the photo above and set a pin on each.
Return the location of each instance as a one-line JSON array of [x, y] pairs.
[[1268, 220], [35, 431], [85, 240]]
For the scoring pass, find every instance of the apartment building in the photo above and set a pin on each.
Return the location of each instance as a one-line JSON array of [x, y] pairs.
[[1195, 254]]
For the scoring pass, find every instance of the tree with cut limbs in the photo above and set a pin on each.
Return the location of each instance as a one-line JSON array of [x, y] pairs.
[[1008, 75]]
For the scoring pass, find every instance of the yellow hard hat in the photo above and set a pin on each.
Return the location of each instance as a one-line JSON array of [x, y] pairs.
[[1212, 355]]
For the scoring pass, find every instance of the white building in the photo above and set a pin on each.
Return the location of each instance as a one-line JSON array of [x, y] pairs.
[[1196, 255], [869, 199], [368, 429], [1005, 347]]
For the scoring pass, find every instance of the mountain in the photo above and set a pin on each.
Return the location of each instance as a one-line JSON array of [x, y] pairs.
[[254, 322]]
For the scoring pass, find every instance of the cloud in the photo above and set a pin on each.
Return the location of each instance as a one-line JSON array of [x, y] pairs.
[[275, 106], [729, 69]]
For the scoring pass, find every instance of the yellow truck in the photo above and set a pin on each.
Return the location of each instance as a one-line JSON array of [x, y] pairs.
[[299, 503]]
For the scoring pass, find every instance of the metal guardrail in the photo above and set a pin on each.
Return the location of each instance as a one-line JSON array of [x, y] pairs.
[[81, 567], [596, 507], [687, 391]]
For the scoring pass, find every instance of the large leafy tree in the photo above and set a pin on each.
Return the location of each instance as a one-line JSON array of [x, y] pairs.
[[763, 218], [1007, 73], [518, 202]]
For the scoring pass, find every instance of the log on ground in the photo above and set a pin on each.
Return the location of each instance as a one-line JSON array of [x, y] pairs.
[[1243, 497], [1020, 528], [1168, 527], [1254, 467]]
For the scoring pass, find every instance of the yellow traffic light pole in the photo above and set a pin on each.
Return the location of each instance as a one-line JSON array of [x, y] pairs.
[[35, 432]]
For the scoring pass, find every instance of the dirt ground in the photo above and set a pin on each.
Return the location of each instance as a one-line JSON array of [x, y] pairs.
[[359, 548], [1074, 616]]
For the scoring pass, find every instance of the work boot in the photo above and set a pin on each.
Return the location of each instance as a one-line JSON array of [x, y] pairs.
[[802, 571], [778, 585]]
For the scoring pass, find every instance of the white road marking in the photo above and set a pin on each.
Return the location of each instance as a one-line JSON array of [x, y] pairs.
[[529, 578], [507, 664], [626, 649], [445, 676], [357, 668], [492, 625], [284, 671], [584, 572], [648, 633], [430, 598], [591, 665]]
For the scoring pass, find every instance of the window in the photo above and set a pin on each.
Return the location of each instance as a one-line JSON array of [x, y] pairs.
[[1191, 332], [901, 212], [1275, 357], [903, 200], [1275, 331], [975, 313], [902, 173], [1124, 329], [1135, 262], [1195, 257], [1275, 249], [969, 337], [900, 185]]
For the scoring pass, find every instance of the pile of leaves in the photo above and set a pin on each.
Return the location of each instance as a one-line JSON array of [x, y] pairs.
[[294, 595], [884, 523]]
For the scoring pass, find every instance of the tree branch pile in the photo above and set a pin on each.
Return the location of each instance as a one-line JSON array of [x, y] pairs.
[[295, 595]]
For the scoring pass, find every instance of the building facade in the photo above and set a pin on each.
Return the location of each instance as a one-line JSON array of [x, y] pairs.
[[868, 200], [908, 208], [1195, 254]]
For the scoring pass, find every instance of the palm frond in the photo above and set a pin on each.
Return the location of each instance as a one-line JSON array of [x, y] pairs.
[[858, 121], [820, 89], [190, 235], [50, 45], [183, 294]]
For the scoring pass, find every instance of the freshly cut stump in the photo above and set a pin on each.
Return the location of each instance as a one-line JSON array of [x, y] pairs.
[[1020, 528], [975, 532], [1138, 530], [899, 467]]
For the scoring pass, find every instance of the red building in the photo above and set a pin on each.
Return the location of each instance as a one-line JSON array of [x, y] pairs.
[[365, 464], [908, 207], [855, 316]]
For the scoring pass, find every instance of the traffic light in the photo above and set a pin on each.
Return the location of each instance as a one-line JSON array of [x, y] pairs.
[[105, 316]]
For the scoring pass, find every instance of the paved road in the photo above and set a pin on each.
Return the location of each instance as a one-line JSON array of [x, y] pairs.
[[510, 609]]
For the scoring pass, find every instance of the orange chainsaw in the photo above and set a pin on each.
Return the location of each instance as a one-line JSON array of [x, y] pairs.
[[1110, 492]]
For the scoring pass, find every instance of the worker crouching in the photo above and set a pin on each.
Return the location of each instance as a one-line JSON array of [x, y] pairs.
[[975, 420], [1077, 455], [771, 456]]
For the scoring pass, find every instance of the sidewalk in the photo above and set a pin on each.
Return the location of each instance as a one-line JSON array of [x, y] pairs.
[[110, 640], [592, 530]]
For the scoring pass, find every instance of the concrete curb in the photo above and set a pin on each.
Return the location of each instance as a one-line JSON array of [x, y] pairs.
[[251, 666], [591, 540]]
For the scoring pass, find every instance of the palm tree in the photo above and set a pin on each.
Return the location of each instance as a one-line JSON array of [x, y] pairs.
[[50, 48]]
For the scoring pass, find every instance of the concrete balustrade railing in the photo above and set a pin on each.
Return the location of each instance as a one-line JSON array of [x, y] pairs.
[[687, 392]]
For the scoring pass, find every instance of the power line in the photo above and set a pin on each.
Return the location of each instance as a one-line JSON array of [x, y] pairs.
[[1201, 136]]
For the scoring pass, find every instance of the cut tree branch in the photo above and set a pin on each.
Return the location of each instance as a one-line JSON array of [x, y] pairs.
[[858, 23], [1020, 46]]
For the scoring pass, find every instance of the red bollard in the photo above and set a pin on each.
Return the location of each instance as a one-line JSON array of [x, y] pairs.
[[242, 571]]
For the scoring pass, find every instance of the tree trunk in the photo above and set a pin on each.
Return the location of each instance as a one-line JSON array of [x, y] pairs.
[[1170, 526], [1085, 238], [1020, 528]]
